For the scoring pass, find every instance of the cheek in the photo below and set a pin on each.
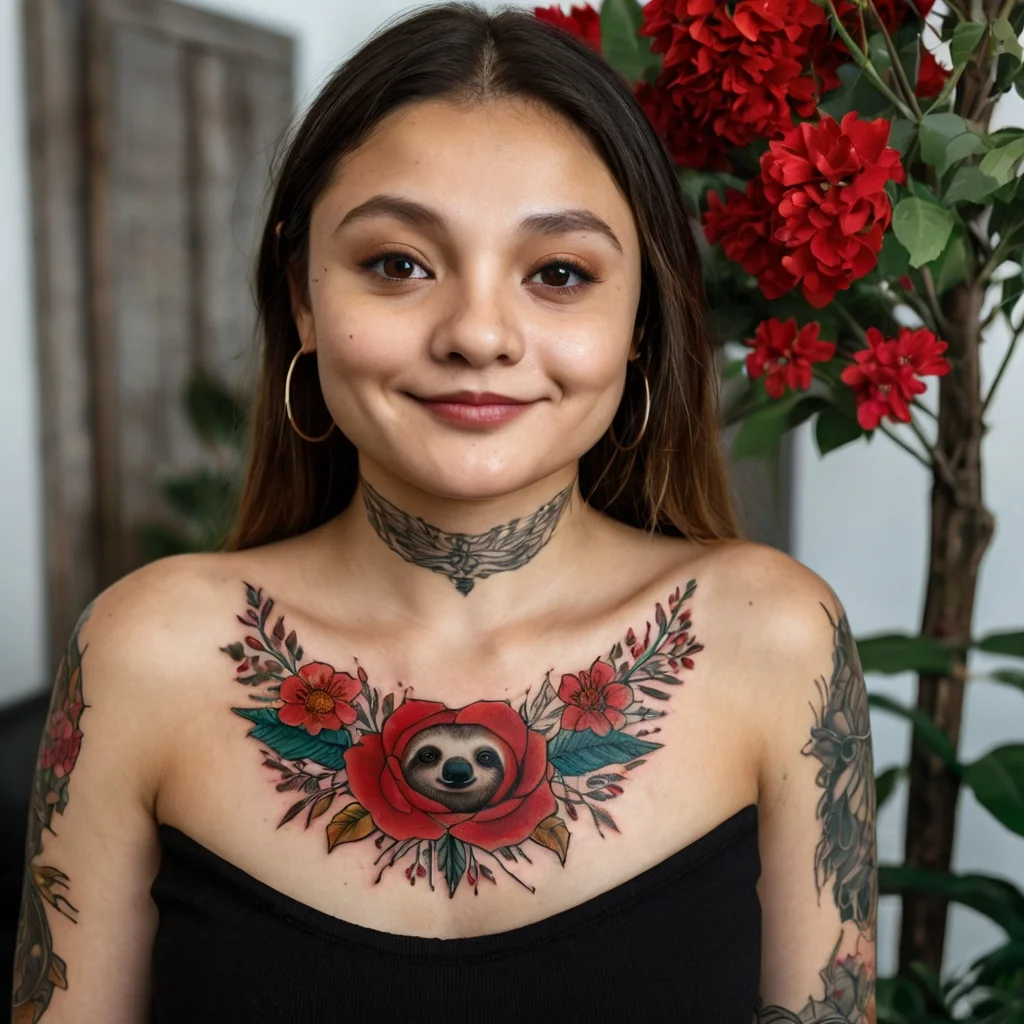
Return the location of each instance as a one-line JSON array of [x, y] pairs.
[[585, 361]]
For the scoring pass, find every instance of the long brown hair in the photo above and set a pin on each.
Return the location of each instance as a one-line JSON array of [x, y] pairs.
[[675, 481]]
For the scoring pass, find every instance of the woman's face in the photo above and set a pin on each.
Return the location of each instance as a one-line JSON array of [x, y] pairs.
[[440, 262]]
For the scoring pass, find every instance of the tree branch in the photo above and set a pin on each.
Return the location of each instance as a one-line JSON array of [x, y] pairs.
[[1007, 356], [906, 447]]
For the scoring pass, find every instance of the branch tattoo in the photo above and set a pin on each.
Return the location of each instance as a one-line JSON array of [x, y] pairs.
[[38, 969], [845, 861], [459, 797]]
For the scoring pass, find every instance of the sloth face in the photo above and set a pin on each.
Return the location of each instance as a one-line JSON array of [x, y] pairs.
[[459, 766]]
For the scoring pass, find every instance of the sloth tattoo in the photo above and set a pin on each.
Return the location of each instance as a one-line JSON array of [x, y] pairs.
[[458, 795], [457, 765]]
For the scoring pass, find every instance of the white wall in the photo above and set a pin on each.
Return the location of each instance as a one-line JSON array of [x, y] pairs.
[[860, 513]]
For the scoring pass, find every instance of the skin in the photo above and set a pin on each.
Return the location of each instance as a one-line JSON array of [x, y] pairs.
[[746, 725]]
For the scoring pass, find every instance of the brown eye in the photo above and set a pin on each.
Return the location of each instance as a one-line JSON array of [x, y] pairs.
[[558, 271], [398, 267], [486, 758], [428, 755]]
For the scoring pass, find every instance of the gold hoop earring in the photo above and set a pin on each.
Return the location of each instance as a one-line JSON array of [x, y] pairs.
[[288, 404], [643, 427]]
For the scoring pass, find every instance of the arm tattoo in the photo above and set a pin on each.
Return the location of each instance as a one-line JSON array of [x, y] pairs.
[[846, 851], [37, 967], [464, 557]]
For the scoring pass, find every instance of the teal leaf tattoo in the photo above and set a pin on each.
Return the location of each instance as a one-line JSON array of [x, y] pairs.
[[578, 752], [451, 859], [291, 742]]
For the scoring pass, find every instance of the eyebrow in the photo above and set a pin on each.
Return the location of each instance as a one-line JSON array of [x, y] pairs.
[[552, 222]]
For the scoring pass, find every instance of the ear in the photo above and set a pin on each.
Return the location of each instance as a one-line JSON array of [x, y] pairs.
[[302, 312], [634, 345]]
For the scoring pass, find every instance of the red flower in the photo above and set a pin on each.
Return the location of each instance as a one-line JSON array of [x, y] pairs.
[[63, 741], [786, 354], [507, 797], [730, 73], [318, 698], [583, 22], [745, 225], [594, 700], [931, 76], [827, 182], [885, 376]]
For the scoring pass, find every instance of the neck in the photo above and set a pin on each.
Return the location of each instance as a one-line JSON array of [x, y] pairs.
[[466, 560]]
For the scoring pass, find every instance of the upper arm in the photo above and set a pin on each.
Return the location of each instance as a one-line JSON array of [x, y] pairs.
[[87, 921], [818, 885]]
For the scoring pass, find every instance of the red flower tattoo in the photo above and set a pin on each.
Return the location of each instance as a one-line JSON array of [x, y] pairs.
[[318, 698], [63, 741], [827, 182], [886, 375], [478, 773], [786, 354], [594, 700]]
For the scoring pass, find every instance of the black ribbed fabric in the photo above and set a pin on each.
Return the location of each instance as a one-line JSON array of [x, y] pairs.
[[679, 942]]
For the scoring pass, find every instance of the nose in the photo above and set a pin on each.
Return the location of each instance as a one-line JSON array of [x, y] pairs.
[[456, 771], [482, 332]]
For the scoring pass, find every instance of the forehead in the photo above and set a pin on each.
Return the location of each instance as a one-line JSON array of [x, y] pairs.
[[484, 165], [461, 733]]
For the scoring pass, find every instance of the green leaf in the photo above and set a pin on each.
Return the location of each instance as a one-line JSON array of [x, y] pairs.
[[902, 134], [621, 43], [236, 652], [761, 431], [885, 783], [896, 652], [293, 742], [1002, 643], [925, 729], [922, 228], [1013, 288], [960, 148], [1009, 676], [833, 429], [893, 259], [1006, 38], [950, 269], [970, 184], [213, 411], [451, 859], [997, 899], [577, 752], [937, 131], [733, 369], [998, 783], [966, 37], [1001, 164]]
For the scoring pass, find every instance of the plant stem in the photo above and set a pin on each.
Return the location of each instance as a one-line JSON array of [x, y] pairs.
[[918, 404], [1008, 355], [938, 459], [864, 63], [901, 76], [906, 447]]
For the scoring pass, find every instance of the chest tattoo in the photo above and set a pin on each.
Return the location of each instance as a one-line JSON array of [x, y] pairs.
[[458, 796]]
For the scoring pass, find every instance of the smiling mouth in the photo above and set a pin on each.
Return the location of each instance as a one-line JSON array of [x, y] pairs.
[[456, 785]]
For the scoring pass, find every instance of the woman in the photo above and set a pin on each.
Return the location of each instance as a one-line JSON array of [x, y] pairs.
[[485, 711]]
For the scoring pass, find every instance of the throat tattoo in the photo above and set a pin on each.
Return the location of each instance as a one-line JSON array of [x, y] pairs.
[[464, 557]]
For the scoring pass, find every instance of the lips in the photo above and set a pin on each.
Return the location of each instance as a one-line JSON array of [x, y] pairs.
[[475, 398]]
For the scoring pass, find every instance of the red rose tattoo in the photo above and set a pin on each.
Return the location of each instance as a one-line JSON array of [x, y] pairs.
[[478, 773], [455, 793]]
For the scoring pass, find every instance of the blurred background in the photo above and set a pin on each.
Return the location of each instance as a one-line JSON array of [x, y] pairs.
[[136, 140]]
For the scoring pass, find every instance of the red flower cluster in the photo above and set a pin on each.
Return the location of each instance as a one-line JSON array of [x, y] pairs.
[[786, 354], [582, 21], [827, 184], [886, 375], [63, 739], [730, 73], [931, 76], [745, 224], [817, 214]]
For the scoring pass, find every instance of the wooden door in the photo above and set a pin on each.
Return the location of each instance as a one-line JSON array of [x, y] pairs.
[[153, 130]]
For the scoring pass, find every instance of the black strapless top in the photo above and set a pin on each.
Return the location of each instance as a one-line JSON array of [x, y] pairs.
[[680, 942]]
